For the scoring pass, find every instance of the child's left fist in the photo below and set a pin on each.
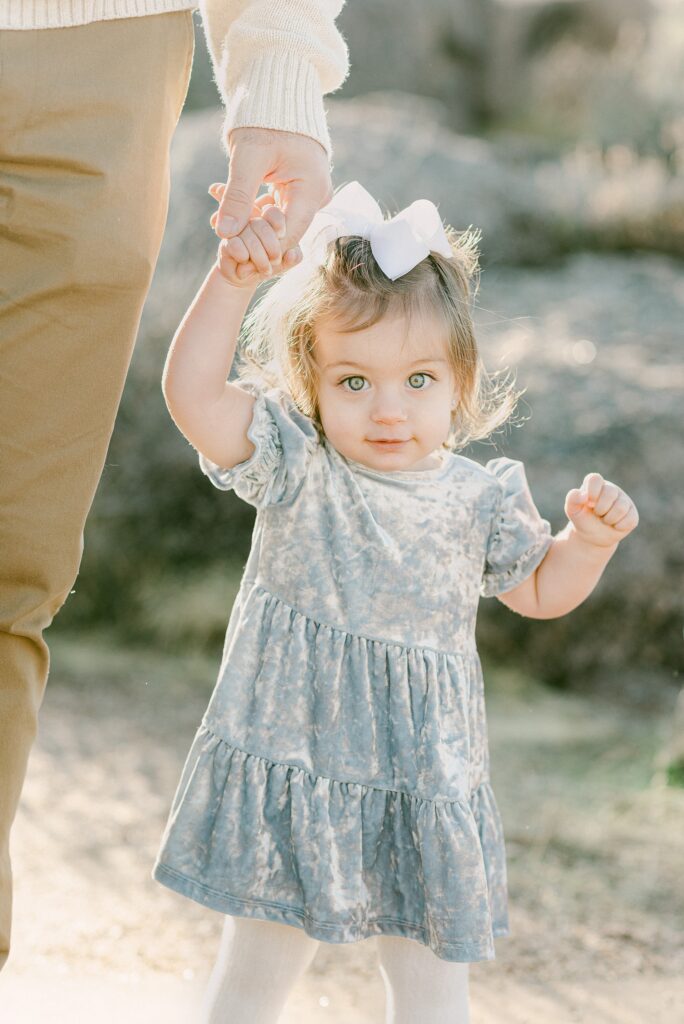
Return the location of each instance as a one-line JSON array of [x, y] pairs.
[[600, 511]]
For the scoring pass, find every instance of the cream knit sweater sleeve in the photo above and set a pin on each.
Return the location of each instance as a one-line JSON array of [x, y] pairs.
[[273, 59]]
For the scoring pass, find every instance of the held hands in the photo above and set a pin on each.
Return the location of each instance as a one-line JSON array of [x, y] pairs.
[[600, 511], [256, 254], [297, 165]]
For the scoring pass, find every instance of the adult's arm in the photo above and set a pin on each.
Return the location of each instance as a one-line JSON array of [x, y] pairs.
[[274, 60]]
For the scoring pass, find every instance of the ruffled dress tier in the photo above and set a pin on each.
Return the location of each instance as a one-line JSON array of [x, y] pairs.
[[339, 779]]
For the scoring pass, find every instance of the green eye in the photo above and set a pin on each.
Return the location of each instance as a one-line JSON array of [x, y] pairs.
[[419, 377], [352, 386]]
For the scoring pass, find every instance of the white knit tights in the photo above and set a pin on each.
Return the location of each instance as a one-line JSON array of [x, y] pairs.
[[419, 987], [259, 963]]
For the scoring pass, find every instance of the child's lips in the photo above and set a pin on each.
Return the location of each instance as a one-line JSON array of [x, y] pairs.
[[389, 442]]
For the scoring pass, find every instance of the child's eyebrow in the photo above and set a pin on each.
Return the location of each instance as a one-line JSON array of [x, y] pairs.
[[360, 366]]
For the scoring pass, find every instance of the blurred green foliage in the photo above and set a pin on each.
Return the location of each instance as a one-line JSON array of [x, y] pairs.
[[628, 94]]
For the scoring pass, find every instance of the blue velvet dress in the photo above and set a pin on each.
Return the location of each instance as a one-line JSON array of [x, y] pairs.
[[339, 779]]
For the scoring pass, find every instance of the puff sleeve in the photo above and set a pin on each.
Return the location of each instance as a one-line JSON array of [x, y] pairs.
[[519, 537], [284, 439]]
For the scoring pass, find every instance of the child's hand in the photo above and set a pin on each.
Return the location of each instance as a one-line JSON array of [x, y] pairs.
[[600, 511], [255, 254]]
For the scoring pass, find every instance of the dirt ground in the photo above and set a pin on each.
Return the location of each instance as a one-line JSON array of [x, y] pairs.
[[595, 847]]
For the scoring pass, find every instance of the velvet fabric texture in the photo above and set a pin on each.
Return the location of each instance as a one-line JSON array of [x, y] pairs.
[[339, 779]]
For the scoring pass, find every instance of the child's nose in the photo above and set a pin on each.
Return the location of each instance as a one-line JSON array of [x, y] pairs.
[[389, 412]]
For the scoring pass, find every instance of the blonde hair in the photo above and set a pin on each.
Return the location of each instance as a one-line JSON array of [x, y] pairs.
[[278, 334]]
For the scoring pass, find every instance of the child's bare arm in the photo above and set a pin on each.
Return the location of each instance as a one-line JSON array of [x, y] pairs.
[[212, 413], [601, 515]]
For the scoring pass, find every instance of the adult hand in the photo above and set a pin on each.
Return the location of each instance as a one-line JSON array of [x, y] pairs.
[[297, 165]]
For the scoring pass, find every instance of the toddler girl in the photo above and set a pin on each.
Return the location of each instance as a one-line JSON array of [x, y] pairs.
[[338, 785]]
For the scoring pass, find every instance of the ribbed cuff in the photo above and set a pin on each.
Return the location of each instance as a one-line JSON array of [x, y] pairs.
[[279, 91]]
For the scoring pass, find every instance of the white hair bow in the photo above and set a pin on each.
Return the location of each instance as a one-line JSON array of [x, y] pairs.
[[398, 244]]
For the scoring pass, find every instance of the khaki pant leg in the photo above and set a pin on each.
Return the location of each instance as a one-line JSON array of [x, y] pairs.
[[86, 119]]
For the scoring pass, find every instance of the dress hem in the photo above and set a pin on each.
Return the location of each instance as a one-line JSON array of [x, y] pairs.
[[457, 952]]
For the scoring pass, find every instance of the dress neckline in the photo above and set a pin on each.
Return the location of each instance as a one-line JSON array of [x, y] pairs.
[[397, 474]]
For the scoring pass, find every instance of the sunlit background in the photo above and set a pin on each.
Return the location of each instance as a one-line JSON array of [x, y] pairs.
[[557, 127]]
